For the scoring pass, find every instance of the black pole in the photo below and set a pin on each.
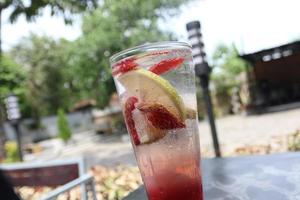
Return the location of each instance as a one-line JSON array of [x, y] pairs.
[[204, 82], [16, 125], [202, 70], [2, 134]]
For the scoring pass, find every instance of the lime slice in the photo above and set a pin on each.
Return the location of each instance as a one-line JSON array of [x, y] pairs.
[[151, 88]]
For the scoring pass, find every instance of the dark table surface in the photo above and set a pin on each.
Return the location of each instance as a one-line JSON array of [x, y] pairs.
[[270, 177]]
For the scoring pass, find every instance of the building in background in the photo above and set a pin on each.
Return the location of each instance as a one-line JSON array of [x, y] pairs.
[[274, 76]]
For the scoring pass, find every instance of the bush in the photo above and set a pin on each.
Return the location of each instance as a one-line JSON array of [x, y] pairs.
[[294, 141], [64, 131], [118, 124], [11, 149]]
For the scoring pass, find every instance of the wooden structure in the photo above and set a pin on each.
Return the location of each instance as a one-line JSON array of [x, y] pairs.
[[41, 175], [67, 174], [275, 75]]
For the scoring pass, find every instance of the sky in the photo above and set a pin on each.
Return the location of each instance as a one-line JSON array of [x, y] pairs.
[[43, 25], [252, 25]]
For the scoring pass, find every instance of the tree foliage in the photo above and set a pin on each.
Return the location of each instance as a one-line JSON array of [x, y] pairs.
[[228, 61], [227, 67], [114, 26], [61, 73], [12, 76], [13, 80], [32, 8], [43, 60]]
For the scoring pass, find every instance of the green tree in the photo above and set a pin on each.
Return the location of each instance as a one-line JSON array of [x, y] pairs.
[[43, 59], [13, 80], [227, 66], [32, 8], [114, 26], [12, 77], [60, 73], [64, 131], [228, 61]]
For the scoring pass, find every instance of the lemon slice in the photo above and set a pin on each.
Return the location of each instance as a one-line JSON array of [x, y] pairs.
[[151, 88]]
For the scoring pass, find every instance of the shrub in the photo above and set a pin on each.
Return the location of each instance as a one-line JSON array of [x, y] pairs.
[[64, 131], [294, 141], [11, 149], [118, 124]]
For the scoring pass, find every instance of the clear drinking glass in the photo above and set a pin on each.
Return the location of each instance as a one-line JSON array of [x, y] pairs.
[[156, 85]]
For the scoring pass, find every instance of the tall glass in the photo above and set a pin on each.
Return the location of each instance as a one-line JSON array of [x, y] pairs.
[[156, 85]]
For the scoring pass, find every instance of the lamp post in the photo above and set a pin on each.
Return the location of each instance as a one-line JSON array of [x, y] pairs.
[[14, 116], [203, 70]]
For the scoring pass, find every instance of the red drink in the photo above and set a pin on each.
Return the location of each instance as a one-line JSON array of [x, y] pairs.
[[156, 84], [171, 171]]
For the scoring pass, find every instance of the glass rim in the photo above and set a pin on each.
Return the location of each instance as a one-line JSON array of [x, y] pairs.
[[155, 45]]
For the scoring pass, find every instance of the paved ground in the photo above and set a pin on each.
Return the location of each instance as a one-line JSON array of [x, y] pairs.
[[234, 131], [96, 149]]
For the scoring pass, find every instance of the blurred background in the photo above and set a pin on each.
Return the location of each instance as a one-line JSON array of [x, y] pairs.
[[55, 60]]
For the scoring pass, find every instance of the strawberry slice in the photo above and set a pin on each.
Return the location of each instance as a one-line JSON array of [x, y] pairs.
[[124, 66], [160, 117], [146, 131], [128, 108], [166, 65]]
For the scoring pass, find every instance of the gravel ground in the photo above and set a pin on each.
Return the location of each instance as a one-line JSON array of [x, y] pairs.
[[237, 131], [233, 132]]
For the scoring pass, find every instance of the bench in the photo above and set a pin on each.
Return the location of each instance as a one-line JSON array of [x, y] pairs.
[[67, 174]]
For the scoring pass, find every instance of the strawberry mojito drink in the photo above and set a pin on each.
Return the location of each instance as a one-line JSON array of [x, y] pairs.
[[156, 85]]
